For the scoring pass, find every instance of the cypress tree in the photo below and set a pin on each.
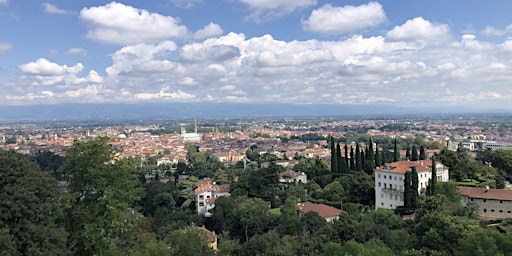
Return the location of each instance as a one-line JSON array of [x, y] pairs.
[[334, 160], [407, 190], [352, 159], [434, 177], [384, 157], [358, 162], [378, 157], [414, 153], [423, 155], [414, 188], [347, 164], [341, 162], [396, 153], [407, 153], [370, 155]]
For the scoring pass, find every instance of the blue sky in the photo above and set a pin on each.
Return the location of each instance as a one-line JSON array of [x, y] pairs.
[[447, 53]]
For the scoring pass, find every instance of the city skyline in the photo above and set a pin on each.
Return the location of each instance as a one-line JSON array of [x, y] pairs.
[[421, 54]]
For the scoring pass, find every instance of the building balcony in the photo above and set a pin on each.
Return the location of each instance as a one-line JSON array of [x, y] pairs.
[[392, 191]]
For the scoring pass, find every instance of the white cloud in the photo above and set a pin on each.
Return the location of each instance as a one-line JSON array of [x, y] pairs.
[[269, 9], [4, 1], [43, 67], [210, 30], [332, 20], [492, 31], [186, 4], [179, 95], [5, 47], [419, 29], [53, 9], [121, 24], [76, 51], [142, 58]]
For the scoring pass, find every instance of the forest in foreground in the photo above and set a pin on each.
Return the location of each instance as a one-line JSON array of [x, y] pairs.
[[109, 210]]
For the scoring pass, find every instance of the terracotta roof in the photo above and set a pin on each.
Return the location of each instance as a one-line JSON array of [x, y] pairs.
[[208, 187], [291, 174], [403, 166], [323, 210], [483, 193]]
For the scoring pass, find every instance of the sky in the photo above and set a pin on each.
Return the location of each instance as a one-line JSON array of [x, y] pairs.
[[415, 52]]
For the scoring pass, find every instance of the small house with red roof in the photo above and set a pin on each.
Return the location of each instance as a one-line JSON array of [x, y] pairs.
[[206, 195], [291, 177], [328, 213]]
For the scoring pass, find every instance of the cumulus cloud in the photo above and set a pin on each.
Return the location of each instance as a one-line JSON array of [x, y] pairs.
[[142, 58], [210, 30], [53, 9], [492, 31], [121, 24], [76, 51], [333, 20], [43, 67], [419, 29], [5, 47], [269, 9]]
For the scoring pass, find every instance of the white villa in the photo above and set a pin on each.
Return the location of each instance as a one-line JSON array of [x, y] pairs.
[[389, 180]]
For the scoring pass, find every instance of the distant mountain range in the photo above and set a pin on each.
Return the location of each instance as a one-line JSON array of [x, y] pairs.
[[139, 111]]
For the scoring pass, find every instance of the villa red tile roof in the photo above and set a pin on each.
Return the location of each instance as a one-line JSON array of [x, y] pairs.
[[323, 210], [291, 174], [208, 187], [483, 193], [403, 166]]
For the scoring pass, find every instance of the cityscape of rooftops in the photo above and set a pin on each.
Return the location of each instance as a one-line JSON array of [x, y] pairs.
[[255, 127]]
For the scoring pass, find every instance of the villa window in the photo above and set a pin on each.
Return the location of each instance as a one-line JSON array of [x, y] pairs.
[[379, 175], [201, 196], [485, 210], [485, 200], [379, 184], [201, 204]]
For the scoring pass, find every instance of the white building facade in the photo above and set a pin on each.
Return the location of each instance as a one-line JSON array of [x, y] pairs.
[[206, 195], [389, 180]]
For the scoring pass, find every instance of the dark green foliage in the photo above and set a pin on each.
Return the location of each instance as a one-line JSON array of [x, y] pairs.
[[408, 190], [408, 153], [359, 160], [423, 154], [334, 157], [396, 153], [50, 163], [342, 168], [29, 209], [414, 188], [102, 191], [347, 163], [352, 159], [414, 153]]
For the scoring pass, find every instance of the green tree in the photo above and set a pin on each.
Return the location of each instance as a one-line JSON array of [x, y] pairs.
[[342, 168], [408, 153], [347, 164], [408, 194], [334, 159], [502, 160], [423, 154], [29, 209], [414, 153], [359, 163], [352, 159], [414, 188], [431, 189], [102, 190], [396, 153]]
